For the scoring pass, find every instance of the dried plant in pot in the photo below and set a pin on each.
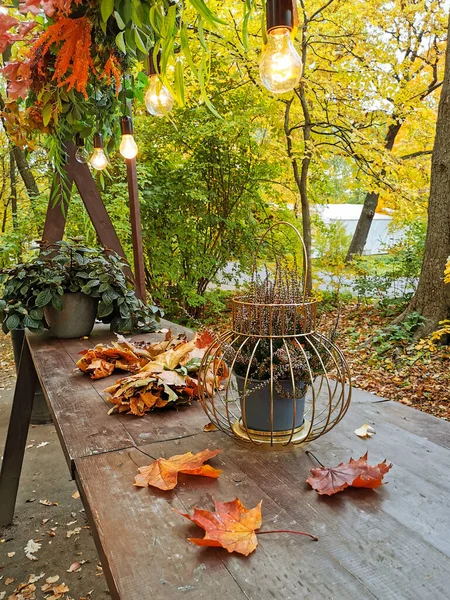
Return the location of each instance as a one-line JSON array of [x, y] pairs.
[[287, 382]]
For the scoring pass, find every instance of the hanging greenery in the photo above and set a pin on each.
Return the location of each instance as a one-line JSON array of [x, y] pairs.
[[74, 65]]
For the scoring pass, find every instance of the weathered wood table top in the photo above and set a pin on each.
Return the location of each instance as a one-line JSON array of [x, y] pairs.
[[393, 542]]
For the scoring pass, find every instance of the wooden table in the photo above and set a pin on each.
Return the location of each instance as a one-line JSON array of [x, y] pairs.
[[390, 543]]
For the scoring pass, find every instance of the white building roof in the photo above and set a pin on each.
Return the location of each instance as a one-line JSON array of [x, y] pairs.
[[344, 212]]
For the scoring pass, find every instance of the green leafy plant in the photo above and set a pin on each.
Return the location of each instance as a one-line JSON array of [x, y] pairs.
[[400, 335], [392, 280], [69, 266]]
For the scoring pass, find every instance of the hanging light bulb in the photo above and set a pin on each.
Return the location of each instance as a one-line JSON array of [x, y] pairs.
[[158, 99], [281, 66], [81, 154], [128, 147], [98, 159]]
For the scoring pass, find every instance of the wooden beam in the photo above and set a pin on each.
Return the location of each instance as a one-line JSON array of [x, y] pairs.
[[55, 220], [82, 176], [136, 229]]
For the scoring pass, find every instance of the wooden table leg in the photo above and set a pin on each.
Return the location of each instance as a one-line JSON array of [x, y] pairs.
[[17, 435]]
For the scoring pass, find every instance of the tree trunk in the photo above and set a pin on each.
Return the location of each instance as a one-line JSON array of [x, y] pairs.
[[432, 298], [361, 234], [13, 188], [26, 174], [301, 180]]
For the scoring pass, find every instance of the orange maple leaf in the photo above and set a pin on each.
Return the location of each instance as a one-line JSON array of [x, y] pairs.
[[231, 526], [356, 473], [163, 472], [99, 368]]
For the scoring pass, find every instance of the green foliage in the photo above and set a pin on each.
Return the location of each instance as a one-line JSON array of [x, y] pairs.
[[395, 336], [202, 184], [71, 267], [393, 279], [331, 243]]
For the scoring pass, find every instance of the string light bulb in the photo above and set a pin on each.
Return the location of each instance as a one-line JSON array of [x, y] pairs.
[[280, 68], [81, 154], [158, 100], [128, 147], [98, 159]]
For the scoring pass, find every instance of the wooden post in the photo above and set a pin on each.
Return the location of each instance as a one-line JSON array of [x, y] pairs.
[[136, 229]]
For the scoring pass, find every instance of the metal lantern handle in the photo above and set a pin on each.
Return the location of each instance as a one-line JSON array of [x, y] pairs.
[[305, 255]]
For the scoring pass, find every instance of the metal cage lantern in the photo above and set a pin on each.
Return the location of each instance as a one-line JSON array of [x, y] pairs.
[[274, 378]]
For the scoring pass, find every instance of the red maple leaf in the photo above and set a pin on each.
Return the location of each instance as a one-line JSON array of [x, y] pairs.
[[356, 473]]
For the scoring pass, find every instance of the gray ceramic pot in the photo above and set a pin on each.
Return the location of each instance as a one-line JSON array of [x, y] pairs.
[[76, 318], [257, 405]]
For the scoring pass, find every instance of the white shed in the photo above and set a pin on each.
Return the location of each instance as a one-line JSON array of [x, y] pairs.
[[379, 234]]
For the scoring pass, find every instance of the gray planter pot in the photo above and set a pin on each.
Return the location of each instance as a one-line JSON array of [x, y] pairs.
[[257, 405], [77, 317]]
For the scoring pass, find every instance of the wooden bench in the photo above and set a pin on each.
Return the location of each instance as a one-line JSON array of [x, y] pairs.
[[390, 543]]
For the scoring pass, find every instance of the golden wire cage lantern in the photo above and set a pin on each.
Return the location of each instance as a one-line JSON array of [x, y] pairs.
[[274, 378]]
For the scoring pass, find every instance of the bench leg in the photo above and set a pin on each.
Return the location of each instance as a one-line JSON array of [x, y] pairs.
[[17, 435]]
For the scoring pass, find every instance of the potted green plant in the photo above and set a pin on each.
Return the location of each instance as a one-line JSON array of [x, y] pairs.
[[65, 287]]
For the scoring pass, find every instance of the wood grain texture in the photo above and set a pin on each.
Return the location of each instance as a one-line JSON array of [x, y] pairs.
[[374, 544], [388, 543], [78, 411], [79, 406], [153, 538]]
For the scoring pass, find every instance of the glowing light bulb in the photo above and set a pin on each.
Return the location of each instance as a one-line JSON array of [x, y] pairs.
[[128, 147], [158, 99], [98, 159], [281, 66]]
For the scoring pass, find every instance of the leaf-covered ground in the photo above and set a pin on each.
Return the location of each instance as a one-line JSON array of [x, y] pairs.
[[394, 369]]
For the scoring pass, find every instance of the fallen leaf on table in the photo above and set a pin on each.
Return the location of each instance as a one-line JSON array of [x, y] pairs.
[[99, 368], [365, 431], [9, 580], [11, 554], [2, 595], [163, 472], [76, 495], [53, 579], [231, 526], [74, 567], [356, 473], [48, 503], [209, 427]]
